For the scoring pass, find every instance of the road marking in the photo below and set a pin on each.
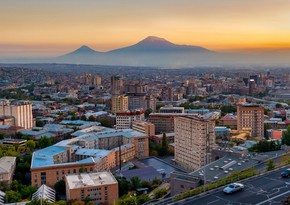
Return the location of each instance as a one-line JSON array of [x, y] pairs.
[[273, 198], [213, 201]]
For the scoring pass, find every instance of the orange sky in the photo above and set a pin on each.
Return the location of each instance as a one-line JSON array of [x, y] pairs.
[[55, 27]]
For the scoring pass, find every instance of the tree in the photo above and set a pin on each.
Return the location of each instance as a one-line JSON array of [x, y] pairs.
[[159, 193], [105, 122], [267, 127], [123, 186], [164, 146], [12, 196], [135, 182], [44, 142], [1, 136], [59, 187], [143, 198], [270, 165], [278, 105], [286, 136], [31, 144], [92, 118], [147, 112]]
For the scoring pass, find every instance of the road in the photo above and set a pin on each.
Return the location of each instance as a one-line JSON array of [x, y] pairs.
[[263, 190]]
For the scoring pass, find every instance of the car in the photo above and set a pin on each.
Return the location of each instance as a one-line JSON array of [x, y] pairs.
[[234, 187], [286, 173]]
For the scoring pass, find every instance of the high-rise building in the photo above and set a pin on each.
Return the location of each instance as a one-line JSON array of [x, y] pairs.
[[252, 86], [136, 101], [119, 103], [251, 117], [194, 140], [116, 85], [21, 111]]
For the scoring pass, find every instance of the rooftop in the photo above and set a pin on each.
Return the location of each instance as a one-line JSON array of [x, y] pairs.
[[90, 180], [6, 163]]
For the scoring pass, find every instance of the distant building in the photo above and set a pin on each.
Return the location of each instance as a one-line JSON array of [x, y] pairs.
[[7, 168], [99, 187], [229, 120], [194, 140], [125, 119], [117, 85], [171, 109], [119, 103], [136, 101], [251, 117], [21, 111]]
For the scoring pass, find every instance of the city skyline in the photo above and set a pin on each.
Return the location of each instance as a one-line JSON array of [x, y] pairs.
[[51, 28]]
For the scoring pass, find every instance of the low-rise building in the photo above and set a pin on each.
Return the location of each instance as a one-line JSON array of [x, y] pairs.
[[144, 127], [125, 119], [89, 152], [100, 187], [7, 168]]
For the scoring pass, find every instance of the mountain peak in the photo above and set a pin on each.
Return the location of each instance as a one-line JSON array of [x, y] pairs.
[[84, 49], [154, 41]]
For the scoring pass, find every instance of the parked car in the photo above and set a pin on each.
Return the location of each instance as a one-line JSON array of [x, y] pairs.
[[234, 187], [286, 173]]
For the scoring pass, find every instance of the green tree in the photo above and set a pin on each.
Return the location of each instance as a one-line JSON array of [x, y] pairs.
[[164, 146], [286, 136], [147, 112], [92, 118], [278, 105], [143, 198], [123, 186], [270, 164], [135, 182], [159, 193], [105, 122], [1, 136], [60, 188], [31, 144], [12, 196], [267, 127]]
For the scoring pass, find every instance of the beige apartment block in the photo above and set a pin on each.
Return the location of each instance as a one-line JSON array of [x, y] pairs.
[[119, 103], [147, 128], [194, 140], [251, 117]]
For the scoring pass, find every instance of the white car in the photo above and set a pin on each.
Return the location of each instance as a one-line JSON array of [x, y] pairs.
[[234, 187]]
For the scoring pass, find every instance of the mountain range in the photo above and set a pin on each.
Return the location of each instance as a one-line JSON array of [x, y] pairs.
[[155, 51]]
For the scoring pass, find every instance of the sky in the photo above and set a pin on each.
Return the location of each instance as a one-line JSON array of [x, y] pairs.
[[55, 27]]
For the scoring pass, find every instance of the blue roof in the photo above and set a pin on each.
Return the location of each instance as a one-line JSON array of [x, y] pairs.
[[93, 152], [44, 157]]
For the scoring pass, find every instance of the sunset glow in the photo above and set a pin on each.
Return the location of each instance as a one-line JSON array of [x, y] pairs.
[[56, 27]]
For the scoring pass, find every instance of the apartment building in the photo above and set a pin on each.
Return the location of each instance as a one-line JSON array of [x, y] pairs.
[[194, 140], [100, 187], [171, 109], [125, 119], [144, 127], [251, 117], [119, 103]]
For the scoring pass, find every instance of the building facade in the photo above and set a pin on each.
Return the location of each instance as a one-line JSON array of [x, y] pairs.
[[125, 119], [251, 117], [21, 111], [144, 127], [194, 140], [119, 103]]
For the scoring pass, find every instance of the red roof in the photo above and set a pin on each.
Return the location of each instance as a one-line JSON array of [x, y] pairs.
[[229, 117]]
